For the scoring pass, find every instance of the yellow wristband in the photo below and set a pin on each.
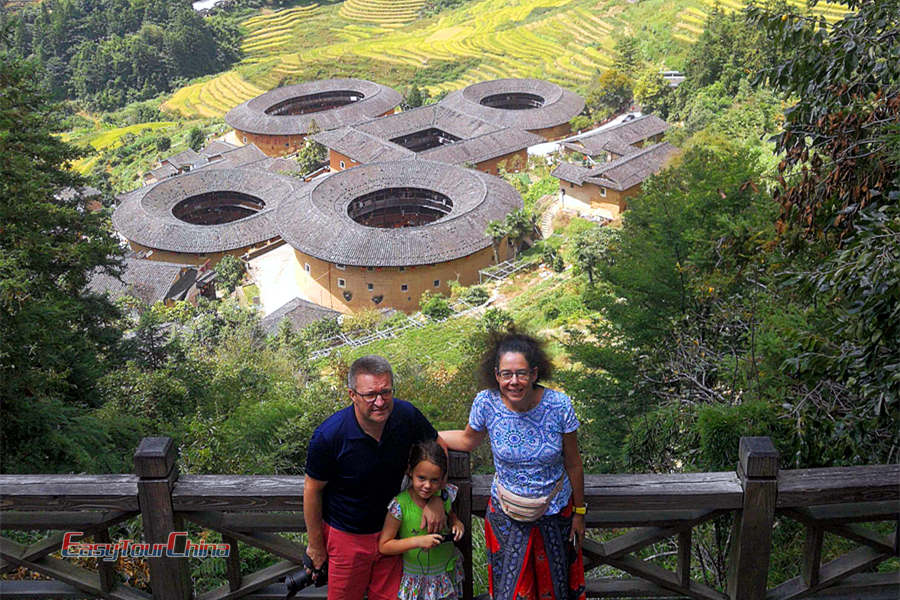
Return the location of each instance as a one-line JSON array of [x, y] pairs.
[[580, 510]]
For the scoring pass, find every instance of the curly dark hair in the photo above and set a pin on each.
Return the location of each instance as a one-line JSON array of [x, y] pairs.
[[503, 343]]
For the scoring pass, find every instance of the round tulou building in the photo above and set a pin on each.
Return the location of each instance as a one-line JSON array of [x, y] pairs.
[[381, 234], [535, 105], [204, 214], [279, 120]]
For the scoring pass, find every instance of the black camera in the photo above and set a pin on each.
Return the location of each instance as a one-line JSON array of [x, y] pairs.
[[305, 577], [447, 537]]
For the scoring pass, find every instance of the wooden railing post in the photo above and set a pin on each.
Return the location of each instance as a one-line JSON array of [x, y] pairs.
[[751, 540], [460, 475], [154, 463]]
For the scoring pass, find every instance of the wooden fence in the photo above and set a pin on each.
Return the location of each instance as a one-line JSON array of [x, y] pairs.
[[650, 508]]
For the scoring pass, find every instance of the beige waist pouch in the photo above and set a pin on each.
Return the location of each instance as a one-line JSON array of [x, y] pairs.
[[523, 508]]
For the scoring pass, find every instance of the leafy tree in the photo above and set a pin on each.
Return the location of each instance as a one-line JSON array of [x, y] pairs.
[[230, 272], [674, 232], [609, 93], [627, 57], [591, 249], [56, 339], [520, 225], [163, 143], [496, 230], [839, 188], [579, 122], [414, 97], [652, 91], [196, 139], [311, 156]]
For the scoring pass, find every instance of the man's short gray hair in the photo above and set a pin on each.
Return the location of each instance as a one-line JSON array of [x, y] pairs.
[[371, 364]]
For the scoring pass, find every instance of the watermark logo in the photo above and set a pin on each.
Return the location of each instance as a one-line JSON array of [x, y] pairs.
[[177, 545]]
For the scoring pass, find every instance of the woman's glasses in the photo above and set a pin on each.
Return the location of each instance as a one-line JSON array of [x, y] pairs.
[[521, 375]]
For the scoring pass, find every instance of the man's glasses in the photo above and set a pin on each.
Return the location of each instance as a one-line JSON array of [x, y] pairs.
[[386, 394], [521, 375]]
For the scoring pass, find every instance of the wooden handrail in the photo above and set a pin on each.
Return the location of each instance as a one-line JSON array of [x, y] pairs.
[[252, 509]]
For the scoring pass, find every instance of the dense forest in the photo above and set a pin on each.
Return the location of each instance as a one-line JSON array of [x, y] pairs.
[[111, 52], [752, 289]]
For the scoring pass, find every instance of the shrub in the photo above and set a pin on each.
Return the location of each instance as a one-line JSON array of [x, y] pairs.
[[435, 306], [229, 272], [495, 319], [474, 295]]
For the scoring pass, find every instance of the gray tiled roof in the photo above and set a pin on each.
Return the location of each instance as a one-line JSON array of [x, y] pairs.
[[620, 174], [185, 158], [484, 147], [316, 220], [250, 116], [362, 147], [238, 156], [216, 147], [371, 141], [619, 138], [299, 312], [145, 215], [147, 280], [560, 104], [163, 171]]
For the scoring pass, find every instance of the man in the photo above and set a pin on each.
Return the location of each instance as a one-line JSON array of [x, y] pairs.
[[354, 466]]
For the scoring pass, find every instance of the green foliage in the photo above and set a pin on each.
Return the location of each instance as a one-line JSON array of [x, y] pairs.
[[672, 233], [495, 320], [163, 143], [56, 338], [580, 122], [722, 426], [312, 156], [728, 51], [110, 53], [435, 306], [652, 91], [839, 187], [627, 58], [196, 139], [661, 440], [593, 247], [475, 295], [608, 94], [229, 272], [414, 97]]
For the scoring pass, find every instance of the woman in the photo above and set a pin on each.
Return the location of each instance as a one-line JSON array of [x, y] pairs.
[[534, 522]]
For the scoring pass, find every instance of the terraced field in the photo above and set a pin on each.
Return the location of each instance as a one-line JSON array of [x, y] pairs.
[[212, 98], [565, 41], [272, 33], [389, 13], [690, 24]]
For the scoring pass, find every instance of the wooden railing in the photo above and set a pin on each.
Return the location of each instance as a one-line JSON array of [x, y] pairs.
[[652, 508]]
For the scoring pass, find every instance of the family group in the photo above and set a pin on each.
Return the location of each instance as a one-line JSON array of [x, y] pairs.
[[386, 545]]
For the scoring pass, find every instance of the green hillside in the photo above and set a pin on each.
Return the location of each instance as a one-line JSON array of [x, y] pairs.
[[564, 41]]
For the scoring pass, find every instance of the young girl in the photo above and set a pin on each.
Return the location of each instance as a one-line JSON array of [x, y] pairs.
[[432, 570]]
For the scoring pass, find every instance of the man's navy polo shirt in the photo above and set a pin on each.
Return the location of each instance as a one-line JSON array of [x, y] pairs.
[[362, 474]]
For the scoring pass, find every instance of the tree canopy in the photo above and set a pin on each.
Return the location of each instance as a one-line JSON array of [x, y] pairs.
[[56, 339]]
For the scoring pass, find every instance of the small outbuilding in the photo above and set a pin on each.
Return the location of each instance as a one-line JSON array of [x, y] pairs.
[[279, 120], [381, 234], [605, 188], [622, 139], [535, 105]]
